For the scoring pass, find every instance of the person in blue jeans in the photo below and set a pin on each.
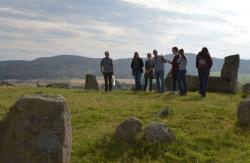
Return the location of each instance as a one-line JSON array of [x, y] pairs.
[[181, 77], [204, 63], [137, 70], [159, 71]]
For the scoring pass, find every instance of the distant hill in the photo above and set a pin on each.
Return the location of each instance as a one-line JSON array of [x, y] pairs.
[[70, 66]]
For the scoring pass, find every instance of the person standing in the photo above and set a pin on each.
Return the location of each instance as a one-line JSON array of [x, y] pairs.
[[149, 74], [137, 70], [204, 63], [175, 67], [181, 78], [107, 71], [159, 71]]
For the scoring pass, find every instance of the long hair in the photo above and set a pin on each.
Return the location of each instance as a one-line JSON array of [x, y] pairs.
[[205, 52], [181, 52]]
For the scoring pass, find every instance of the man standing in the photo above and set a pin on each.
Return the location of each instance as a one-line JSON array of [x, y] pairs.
[[107, 71], [175, 67], [159, 71]]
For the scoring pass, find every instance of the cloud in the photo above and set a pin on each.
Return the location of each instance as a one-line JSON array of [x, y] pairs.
[[31, 29]]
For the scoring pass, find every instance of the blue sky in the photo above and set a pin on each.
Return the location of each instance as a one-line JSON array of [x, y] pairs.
[[34, 28]]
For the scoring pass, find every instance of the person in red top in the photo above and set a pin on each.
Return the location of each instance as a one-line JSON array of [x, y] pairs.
[[204, 63], [175, 67]]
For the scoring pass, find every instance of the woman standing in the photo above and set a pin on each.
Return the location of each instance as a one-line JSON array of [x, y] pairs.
[[181, 78], [204, 63], [149, 74], [137, 70]]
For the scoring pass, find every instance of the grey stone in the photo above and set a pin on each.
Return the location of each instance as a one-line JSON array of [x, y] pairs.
[[243, 113], [91, 82], [128, 130], [165, 112], [246, 88], [58, 85], [158, 132], [5, 83], [36, 130], [229, 74]]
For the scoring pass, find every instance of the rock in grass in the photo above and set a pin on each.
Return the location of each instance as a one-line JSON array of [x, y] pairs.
[[158, 132], [91, 82], [246, 88], [165, 112], [37, 129], [128, 130], [58, 85], [243, 113]]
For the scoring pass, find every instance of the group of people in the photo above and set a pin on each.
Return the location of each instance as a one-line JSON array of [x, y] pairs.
[[153, 68]]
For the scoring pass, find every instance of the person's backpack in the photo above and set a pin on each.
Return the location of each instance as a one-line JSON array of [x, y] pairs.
[[202, 62]]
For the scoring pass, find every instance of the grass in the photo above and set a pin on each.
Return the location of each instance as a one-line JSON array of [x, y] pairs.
[[206, 129]]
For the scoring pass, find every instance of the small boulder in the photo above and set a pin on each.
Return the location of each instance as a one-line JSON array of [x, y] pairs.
[[37, 129], [243, 113], [5, 83], [158, 132], [128, 130], [91, 82], [246, 88], [58, 85], [165, 112]]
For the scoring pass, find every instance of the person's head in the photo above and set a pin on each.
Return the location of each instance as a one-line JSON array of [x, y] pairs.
[[155, 53], [136, 55], [106, 54], [149, 55], [181, 53], [175, 50], [205, 51]]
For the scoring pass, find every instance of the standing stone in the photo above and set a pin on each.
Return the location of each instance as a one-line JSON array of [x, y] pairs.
[[36, 130], [158, 132], [246, 88], [128, 130], [243, 113], [229, 74], [91, 82]]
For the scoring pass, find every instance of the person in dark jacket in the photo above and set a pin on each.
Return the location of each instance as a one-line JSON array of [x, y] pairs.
[[137, 70], [107, 71], [149, 74], [204, 63], [175, 67]]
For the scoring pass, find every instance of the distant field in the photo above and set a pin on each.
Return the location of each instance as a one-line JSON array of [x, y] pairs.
[[206, 128]]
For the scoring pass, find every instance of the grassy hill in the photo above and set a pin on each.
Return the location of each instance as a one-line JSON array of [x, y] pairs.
[[206, 128], [70, 67]]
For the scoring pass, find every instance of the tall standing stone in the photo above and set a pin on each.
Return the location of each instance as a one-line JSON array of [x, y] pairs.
[[243, 113], [36, 130], [91, 82], [229, 74]]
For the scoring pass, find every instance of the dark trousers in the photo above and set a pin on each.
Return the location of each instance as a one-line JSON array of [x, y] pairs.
[[181, 79], [137, 76], [147, 78], [108, 81], [174, 78], [203, 77]]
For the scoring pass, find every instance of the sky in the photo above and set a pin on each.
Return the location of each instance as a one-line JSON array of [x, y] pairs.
[[37, 28]]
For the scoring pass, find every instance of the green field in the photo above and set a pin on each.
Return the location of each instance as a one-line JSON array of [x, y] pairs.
[[206, 129]]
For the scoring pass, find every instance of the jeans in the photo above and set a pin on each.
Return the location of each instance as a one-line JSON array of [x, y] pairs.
[[203, 77], [182, 81], [160, 83], [137, 76], [108, 81], [174, 78], [147, 78]]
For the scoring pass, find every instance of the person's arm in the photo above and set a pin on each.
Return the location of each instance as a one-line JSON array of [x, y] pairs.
[[101, 66], [164, 60], [210, 62], [132, 65], [197, 62], [112, 67]]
